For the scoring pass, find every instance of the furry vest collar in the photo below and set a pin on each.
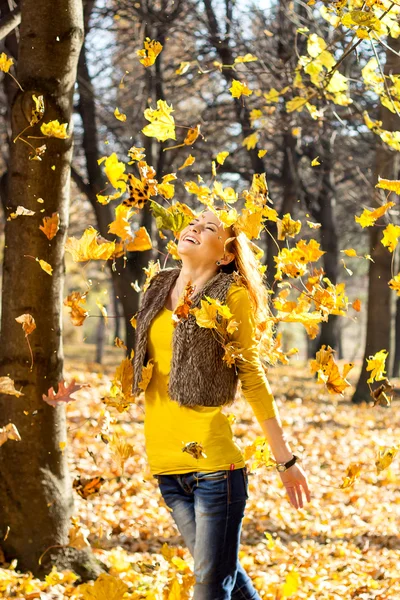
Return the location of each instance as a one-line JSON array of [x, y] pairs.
[[198, 375]]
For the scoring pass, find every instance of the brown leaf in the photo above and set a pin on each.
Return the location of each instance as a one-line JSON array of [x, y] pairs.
[[64, 393]]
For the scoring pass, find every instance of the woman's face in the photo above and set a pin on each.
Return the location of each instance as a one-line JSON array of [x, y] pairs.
[[210, 236]]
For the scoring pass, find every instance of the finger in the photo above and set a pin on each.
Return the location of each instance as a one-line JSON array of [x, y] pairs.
[[299, 496], [292, 496], [306, 490]]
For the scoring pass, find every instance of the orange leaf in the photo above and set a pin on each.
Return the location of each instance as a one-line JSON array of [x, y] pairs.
[[50, 225]]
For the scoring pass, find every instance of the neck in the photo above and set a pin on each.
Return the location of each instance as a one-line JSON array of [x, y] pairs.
[[197, 276]]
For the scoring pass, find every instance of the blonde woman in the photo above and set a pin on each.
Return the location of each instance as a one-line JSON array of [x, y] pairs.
[[207, 490]]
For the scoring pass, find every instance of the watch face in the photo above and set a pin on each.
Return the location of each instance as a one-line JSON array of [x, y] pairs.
[[281, 468]]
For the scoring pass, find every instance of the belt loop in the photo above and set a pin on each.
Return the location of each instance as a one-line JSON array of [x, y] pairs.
[[232, 467]]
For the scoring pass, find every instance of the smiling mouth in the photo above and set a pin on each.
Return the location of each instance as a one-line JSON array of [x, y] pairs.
[[195, 243]]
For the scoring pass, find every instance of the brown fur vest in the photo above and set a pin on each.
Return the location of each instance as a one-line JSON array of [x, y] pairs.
[[198, 375]]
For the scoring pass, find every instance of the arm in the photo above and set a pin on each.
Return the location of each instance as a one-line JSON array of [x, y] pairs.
[[257, 391]]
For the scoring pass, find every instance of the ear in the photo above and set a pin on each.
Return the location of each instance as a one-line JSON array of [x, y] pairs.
[[228, 258]]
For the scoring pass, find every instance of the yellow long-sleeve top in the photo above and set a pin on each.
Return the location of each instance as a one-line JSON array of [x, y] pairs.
[[169, 426]]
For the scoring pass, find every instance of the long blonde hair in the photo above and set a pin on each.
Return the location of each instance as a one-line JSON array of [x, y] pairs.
[[248, 267]]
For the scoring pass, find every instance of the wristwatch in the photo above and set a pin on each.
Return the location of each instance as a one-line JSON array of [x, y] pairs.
[[284, 466]]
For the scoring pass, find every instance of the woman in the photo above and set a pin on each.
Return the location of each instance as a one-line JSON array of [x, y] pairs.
[[205, 485]]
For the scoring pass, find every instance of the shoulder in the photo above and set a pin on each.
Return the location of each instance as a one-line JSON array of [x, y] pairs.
[[238, 296]]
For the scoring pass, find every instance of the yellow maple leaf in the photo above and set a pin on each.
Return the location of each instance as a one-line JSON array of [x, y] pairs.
[[391, 236], [368, 217], [141, 241], [272, 96], [245, 58], [55, 129], [384, 457], [328, 371], [149, 53], [251, 140], [147, 372], [352, 473], [239, 89], [50, 225], [376, 364], [315, 162], [287, 227], [88, 247], [78, 313], [119, 115], [162, 124], [121, 226], [387, 184], [297, 103], [262, 153], [106, 587], [115, 172]]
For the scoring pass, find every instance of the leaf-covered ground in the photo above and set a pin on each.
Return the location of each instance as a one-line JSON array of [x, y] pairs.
[[343, 544]]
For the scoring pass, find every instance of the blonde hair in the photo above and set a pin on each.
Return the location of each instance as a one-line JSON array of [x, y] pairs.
[[248, 267]]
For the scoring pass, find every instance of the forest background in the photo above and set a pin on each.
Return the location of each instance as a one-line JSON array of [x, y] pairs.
[[307, 93]]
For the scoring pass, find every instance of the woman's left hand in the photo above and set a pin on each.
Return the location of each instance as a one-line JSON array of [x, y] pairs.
[[294, 479]]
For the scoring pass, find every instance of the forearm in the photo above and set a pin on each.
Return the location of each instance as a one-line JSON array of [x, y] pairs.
[[275, 436]]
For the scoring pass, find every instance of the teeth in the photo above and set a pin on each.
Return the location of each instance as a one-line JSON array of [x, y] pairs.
[[191, 239]]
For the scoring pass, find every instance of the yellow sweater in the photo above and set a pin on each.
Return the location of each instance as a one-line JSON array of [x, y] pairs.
[[169, 426]]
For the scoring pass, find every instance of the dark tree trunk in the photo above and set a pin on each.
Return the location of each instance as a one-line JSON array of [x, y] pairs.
[[396, 359], [379, 293], [35, 489], [125, 272], [329, 334]]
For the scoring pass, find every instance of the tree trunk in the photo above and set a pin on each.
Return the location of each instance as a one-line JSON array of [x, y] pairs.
[[329, 240], [35, 488], [379, 293], [125, 272], [396, 359]]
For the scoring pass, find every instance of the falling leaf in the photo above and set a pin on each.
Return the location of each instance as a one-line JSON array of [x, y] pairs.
[[239, 89], [119, 115], [368, 217], [357, 305], [7, 387], [188, 162], [315, 162], [386, 184], [292, 584], [352, 473], [55, 129], [149, 53], [376, 364], [64, 393], [50, 225], [328, 371], [162, 124], [86, 487], [121, 450], [5, 62], [89, 247], [194, 449], [78, 313], [384, 457], [45, 266], [28, 323], [38, 110], [103, 311], [382, 395], [391, 236], [78, 535], [9, 432]]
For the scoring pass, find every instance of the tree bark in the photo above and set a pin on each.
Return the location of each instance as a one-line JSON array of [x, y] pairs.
[[379, 293], [35, 488], [125, 272]]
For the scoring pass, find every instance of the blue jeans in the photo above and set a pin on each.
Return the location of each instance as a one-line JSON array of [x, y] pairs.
[[208, 509]]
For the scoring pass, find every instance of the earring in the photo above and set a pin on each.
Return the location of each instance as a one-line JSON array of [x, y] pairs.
[[218, 262]]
